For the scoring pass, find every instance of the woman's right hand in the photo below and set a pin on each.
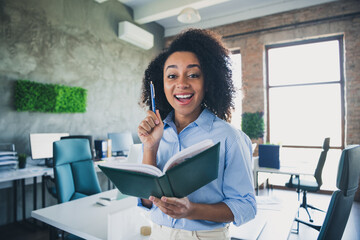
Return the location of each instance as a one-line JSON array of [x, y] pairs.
[[150, 130]]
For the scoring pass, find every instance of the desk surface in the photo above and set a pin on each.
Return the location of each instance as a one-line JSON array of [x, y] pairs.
[[278, 216], [28, 172], [91, 219]]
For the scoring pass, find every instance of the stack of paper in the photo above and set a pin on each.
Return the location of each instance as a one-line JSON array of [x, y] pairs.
[[8, 156]]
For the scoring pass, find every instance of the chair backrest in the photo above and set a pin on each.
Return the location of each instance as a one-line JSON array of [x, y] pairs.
[[342, 199], [74, 171], [89, 137], [321, 162]]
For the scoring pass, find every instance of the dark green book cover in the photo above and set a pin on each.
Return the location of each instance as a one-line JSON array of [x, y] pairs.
[[178, 181]]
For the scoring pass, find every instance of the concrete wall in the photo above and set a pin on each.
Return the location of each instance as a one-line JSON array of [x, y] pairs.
[[74, 43]]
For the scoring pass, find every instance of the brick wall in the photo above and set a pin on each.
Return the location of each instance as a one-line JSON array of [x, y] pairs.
[[340, 17]]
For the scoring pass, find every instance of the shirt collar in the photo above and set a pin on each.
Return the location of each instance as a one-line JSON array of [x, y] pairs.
[[205, 120]]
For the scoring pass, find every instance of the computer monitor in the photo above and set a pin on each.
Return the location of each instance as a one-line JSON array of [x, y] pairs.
[[41, 145], [120, 143]]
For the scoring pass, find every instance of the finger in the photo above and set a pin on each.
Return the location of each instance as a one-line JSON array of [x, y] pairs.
[[150, 121], [158, 116], [173, 201], [169, 212], [153, 116], [142, 132], [145, 126], [158, 202]]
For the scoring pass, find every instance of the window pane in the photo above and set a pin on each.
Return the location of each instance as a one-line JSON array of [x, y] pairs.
[[236, 76], [306, 63], [305, 115]]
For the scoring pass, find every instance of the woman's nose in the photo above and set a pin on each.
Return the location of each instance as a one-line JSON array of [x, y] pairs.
[[182, 82]]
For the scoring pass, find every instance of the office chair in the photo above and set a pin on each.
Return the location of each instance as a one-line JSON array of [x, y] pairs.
[[312, 185], [74, 171], [341, 201], [49, 181], [89, 137]]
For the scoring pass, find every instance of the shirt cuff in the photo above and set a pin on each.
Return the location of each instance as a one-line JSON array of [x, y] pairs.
[[139, 204], [243, 209]]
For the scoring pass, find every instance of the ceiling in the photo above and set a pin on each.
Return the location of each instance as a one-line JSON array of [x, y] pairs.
[[213, 12]]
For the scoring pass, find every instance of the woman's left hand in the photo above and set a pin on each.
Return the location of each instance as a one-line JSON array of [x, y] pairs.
[[174, 207]]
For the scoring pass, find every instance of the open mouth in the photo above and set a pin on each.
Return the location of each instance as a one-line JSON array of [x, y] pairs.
[[184, 98]]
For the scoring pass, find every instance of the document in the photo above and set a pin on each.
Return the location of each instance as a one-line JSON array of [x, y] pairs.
[[185, 172]]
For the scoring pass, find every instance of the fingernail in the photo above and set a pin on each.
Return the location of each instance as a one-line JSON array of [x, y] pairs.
[[156, 121], [151, 198]]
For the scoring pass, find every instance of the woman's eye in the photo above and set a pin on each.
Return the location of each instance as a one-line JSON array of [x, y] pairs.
[[171, 76], [194, 75]]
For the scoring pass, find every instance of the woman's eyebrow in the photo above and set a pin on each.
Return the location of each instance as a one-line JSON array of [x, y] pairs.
[[193, 65], [171, 66], [188, 66]]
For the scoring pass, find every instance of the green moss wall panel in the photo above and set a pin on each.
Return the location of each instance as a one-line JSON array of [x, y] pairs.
[[39, 97]]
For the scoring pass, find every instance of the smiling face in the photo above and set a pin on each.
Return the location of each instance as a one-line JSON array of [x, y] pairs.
[[184, 85]]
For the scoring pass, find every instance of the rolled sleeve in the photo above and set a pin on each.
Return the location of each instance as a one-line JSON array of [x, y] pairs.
[[238, 181], [243, 209]]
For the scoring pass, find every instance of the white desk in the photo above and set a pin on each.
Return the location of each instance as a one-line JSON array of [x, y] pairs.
[[15, 175], [86, 219], [28, 172], [287, 170], [278, 216]]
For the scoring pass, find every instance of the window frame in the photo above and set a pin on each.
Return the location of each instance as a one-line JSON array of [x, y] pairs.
[[339, 38]]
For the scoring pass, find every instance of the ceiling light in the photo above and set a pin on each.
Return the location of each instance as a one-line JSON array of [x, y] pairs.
[[189, 15]]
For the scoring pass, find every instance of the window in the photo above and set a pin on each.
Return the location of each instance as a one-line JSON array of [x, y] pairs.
[[237, 80], [305, 101]]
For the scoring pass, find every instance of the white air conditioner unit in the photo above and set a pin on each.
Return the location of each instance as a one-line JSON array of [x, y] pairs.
[[135, 35]]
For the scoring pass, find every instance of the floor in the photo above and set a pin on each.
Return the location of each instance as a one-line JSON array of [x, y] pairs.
[[27, 231]]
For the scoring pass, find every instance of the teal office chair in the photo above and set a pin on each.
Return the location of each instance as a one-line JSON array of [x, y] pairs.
[[49, 181], [74, 171], [312, 185], [88, 137], [341, 200]]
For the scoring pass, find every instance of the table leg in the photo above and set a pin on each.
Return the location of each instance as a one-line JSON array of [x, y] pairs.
[[15, 199], [35, 194], [256, 182], [23, 199], [52, 232], [43, 191]]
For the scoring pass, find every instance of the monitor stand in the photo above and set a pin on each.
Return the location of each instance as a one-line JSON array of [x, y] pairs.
[[120, 154]]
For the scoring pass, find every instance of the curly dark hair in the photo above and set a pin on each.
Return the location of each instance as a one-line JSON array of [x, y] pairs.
[[215, 65]]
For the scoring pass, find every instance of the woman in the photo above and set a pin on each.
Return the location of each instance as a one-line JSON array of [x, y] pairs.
[[194, 92]]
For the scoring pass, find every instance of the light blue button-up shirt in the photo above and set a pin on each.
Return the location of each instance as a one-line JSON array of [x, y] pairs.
[[234, 184]]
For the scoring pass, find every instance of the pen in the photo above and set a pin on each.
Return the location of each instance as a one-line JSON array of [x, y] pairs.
[[152, 91]]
